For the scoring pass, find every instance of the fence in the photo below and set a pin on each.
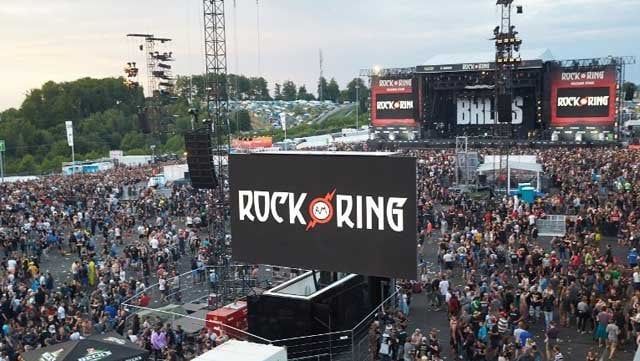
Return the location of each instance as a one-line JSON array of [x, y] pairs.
[[552, 226], [348, 345]]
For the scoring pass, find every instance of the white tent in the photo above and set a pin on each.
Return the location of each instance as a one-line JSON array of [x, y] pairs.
[[519, 162], [234, 350]]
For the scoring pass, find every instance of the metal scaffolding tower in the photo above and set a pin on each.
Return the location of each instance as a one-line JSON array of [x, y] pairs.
[[215, 51], [217, 100]]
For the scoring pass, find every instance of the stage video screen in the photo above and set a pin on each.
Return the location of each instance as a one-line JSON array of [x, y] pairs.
[[583, 102]]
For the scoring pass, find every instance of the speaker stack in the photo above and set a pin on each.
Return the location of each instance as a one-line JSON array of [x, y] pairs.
[[200, 160], [504, 108]]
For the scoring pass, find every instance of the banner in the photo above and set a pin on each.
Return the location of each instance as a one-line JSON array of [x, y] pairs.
[[583, 97], [484, 66], [480, 111], [252, 143], [338, 212], [69, 126], [393, 102]]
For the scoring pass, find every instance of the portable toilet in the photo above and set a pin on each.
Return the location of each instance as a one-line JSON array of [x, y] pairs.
[[528, 194]]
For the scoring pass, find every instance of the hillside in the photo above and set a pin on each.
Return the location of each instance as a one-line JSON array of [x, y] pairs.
[[107, 116]]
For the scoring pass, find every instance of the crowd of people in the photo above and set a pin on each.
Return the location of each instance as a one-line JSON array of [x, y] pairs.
[[510, 294], [114, 237]]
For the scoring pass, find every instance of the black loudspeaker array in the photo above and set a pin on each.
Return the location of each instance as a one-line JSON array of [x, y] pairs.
[[200, 160], [504, 108]]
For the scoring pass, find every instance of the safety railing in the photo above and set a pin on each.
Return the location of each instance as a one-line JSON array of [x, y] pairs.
[[192, 289], [552, 226]]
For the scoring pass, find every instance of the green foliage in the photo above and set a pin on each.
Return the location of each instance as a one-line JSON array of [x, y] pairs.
[[137, 151], [106, 116], [102, 111], [289, 91], [358, 87], [304, 95], [322, 88], [27, 165], [175, 144], [239, 87], [629, 89], [133, 140], [277, 92], [240, 121], [333, 91]]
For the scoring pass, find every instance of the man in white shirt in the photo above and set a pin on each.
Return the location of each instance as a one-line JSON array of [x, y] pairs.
[[448, 261], [636, 279], [75, 336], [516, 335], [443, 286], [62, 313], [162, 287], [11, 265]]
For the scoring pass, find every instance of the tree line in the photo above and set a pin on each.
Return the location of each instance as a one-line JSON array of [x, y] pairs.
[[108, 116]]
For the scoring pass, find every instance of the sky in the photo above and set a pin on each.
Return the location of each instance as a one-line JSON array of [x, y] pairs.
[[63, 40]]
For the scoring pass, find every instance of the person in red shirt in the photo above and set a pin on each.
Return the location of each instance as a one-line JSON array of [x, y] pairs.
[[144, 300], [488, 217]]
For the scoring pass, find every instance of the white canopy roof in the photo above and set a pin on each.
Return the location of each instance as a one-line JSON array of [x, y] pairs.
[[519, 162], [233, 350]]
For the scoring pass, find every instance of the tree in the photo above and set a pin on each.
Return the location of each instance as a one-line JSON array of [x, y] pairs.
[[629, 89], [277, 92], [333, 91], [259, 89], [322, 88], [132, 140], [362, 91], [289, 90], [303, 94], [28, 165], [175, 144], [344, 96], [240, 121]]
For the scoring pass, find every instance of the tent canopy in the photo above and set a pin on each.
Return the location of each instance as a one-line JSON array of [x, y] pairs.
[[108, 347], [517, 162], [233, 350]]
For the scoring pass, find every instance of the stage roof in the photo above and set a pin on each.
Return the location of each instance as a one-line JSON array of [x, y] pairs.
[[483, 57]]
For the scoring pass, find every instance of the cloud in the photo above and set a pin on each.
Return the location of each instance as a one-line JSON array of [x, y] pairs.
[[63, 39]]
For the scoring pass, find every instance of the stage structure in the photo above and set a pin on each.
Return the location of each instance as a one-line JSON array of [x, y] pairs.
[[585, 98], [466, 164], [216, 89], [511, 94], [395, 103], [160, 80]]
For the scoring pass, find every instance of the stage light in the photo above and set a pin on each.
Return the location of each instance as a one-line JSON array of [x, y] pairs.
[[377, 69], [519, 9], [496, 30]]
